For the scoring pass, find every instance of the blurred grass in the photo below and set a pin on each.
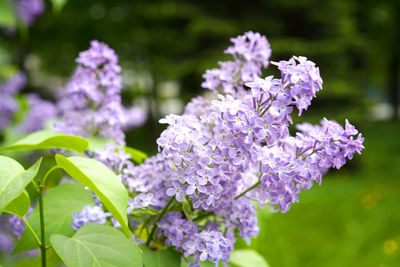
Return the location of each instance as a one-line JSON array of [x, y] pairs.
[[353, 219]]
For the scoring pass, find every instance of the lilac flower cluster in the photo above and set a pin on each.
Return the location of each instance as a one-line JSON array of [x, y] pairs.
[[40, 111], [207, 244], [222, 154], [89, 214], [250, 53], [91, 101], [8, 105], [29, 10]]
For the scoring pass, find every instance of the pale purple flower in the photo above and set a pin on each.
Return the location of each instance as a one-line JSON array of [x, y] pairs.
[[89, 214]]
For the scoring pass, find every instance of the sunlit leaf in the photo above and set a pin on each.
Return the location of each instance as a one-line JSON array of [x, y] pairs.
[[14, 179], [247, 258], [19, 206], [47, 139], [97, 245]]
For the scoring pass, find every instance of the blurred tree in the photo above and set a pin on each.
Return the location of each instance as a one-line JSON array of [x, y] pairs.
[[380, 22]]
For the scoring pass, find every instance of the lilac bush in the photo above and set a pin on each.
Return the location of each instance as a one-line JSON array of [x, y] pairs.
[[29, 10], [8, 104], [218, 162]]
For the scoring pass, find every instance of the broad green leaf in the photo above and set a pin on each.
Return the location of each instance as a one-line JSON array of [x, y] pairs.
[[46, 139], [59, 204], [19, 206], [97, 245], [98, 142], [102, 181], [136, 155], [187, 208], [143, 211], [247, 258], [14, 179], [7, 17], [163, 258], [58, 5]]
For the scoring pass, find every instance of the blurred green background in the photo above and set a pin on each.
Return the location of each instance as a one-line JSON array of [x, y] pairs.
[[165, 46]]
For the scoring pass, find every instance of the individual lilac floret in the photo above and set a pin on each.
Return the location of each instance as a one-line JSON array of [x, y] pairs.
[[251, 53], [29, 10], [89, 214], [40, 111], [8, 105]]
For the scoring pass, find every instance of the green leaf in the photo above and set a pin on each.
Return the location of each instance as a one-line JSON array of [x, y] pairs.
[[143, 211], [14, 179], [97, 245], [98, 142], [163, 258], [59, 204], [247, 258], [102, 181], [187, 208], [136, 155], [46, 139], [7, 17], [58, 5], [19, 206]]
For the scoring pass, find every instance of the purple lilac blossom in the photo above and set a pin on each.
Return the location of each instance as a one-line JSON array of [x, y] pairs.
[[250, 53], [40, 111], [91, 102], [29, 10], [220, 148], [8, 105], [89, 214]]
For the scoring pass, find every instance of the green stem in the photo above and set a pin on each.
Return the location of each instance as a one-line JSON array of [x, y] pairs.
[[205, 215], [42, 229], [35, 186], [31, 230], [48, 173], [248, 189], [164, 210]]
